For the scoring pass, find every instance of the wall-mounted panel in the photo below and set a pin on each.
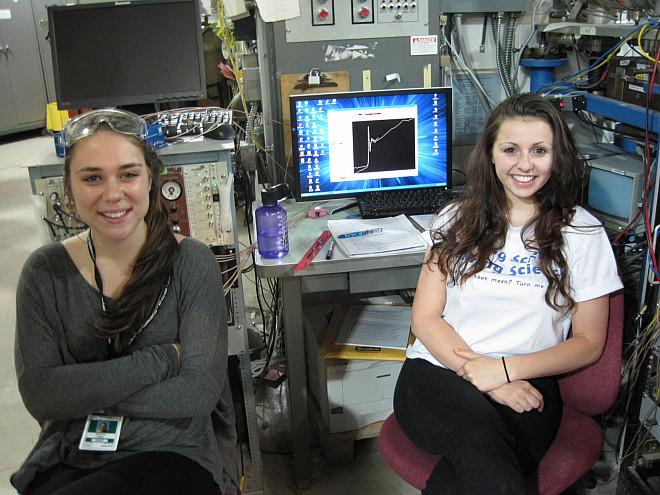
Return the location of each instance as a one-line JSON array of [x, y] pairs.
[[324, 20]]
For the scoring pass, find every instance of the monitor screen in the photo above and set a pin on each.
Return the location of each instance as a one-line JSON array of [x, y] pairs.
[[610, 193], [125, 53], [347, 144]]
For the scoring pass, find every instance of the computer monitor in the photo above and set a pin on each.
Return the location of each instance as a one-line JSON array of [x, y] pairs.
[[126, 53], [615, 191], [350, 143]]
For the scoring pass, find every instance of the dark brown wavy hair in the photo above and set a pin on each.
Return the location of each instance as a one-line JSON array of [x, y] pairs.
[[153, 266], [479, 227]]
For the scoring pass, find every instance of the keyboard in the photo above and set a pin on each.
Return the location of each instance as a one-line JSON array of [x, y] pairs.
[[377, 204], [193, 122]]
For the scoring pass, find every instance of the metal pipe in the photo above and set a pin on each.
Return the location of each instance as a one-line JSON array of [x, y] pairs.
[[458, 30]]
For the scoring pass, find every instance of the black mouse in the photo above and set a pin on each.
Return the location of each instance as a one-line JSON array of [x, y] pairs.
[[224, 132]]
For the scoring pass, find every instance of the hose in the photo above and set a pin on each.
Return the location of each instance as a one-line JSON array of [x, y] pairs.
[[497, 29], [458, 30], [508, 50]]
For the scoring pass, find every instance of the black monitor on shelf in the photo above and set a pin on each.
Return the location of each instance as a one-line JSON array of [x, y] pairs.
[[127, 53], [616, 190], [347, 144]]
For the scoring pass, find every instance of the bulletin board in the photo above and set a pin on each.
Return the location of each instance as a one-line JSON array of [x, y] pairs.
[[295, 84]]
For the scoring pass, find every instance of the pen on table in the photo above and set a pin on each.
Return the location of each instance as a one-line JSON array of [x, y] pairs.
[[331, 249], [343, 208], [359, 233]]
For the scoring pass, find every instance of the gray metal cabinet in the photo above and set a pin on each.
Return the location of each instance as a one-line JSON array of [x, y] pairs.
[[22, 83], [40, 15]]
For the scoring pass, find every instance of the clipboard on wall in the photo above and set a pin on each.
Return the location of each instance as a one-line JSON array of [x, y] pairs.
[[294, 84]]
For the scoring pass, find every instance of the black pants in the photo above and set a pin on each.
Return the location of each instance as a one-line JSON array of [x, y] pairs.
[[144, 473], [487, 448]]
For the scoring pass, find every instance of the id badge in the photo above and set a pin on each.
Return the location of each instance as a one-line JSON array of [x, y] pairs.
[[101, 433]]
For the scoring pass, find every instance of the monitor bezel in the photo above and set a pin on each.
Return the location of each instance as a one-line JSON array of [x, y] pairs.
[[77, 103], [445, 90], [626, 165]]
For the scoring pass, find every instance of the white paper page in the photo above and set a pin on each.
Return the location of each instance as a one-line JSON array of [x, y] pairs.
[[278, 10], [235, 9], [397, 234], [376, 326]]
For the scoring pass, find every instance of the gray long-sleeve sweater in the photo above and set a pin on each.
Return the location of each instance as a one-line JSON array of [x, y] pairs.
[[64, 372]]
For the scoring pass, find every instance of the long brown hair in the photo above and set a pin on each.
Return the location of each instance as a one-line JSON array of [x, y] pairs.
[[479, 227], [153, 266]]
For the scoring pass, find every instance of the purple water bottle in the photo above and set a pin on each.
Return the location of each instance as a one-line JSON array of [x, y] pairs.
[[272, 228]]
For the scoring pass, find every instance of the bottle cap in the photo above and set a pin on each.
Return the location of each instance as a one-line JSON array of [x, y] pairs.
[[270, 195], [275, 193]]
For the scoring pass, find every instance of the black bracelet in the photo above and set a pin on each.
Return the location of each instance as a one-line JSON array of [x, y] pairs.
[[506, 372]]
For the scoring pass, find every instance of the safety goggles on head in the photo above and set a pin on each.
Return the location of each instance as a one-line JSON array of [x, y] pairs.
[[87, 123]]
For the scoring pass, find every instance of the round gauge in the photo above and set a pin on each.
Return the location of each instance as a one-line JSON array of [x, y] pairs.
[[171, 190]]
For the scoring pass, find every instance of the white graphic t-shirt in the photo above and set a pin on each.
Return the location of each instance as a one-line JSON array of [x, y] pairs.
[[501, 311]]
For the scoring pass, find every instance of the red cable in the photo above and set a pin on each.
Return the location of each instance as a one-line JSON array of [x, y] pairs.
[[648, 172]]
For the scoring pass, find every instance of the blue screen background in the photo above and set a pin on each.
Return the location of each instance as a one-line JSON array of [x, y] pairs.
[[433, 133]]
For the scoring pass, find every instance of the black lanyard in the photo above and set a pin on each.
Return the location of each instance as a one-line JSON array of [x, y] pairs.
[[97, 274], [99, 285]]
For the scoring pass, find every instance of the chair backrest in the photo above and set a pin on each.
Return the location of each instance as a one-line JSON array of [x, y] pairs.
[[594, 389]]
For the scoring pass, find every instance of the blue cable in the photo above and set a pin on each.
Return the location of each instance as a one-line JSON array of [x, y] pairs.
[[575, 74], [650, 260], [625, 39]]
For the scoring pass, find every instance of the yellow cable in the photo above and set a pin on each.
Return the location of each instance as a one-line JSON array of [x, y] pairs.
[[639, 42], [609, 57], [605, 61]]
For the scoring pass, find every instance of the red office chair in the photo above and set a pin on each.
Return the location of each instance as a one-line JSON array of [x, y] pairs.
[[579, 442]]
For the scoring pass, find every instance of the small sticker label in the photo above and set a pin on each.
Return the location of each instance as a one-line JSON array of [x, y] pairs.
[[424, 45]]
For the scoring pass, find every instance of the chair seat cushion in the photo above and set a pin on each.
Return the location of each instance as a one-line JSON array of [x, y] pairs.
[[575, 450], [405, 458]]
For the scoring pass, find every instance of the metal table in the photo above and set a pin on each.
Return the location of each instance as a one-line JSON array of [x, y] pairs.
[[355, 275]]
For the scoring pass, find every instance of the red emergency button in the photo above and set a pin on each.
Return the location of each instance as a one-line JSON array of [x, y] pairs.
[[364, 12], [323, 14]]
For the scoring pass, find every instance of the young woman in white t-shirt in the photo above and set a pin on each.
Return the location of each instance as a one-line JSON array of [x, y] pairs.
[[514, 263]]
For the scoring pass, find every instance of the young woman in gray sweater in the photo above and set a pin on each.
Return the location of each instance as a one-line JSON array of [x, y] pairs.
[[124, 324]]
